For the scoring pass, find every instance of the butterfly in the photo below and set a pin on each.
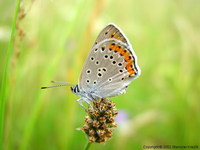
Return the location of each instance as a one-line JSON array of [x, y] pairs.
[[109, 68]]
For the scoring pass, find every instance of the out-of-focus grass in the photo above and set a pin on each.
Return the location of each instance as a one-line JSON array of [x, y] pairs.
[[162, 105], [4, 74]]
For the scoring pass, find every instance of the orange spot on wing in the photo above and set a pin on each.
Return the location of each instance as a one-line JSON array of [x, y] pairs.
[[118, 38], [131, 72], [129, 65], [126, 55], [123, 52], [112, 35], [111, 46], [127, 58], [117, 49], [129, 68]]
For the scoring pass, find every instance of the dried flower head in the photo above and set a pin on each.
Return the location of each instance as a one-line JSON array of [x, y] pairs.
[[100, 122]]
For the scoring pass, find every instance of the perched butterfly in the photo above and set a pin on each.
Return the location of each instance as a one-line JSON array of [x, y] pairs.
[[109, 68]]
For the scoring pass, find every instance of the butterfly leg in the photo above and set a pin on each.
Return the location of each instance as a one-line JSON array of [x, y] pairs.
[[82, 100], [79, 101], [87, 101]]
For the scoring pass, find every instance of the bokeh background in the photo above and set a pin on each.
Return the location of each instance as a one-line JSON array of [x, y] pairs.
[[51, 42]]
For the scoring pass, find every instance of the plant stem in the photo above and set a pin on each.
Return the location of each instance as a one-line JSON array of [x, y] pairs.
[[87, 146], [4, 78]]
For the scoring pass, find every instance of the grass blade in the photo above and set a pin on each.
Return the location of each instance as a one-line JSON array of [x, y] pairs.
[[4, 79]]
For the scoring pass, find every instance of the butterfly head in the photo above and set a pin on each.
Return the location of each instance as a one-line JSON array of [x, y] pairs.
[[75, 89]]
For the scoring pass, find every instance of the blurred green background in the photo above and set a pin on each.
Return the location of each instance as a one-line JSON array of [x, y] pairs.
[[51, 42]]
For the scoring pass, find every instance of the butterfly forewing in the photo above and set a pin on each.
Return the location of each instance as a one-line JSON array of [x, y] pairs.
[[110, 66], [111, 32]]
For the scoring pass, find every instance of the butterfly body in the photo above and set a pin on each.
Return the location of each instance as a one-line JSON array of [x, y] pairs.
[[110, 67]]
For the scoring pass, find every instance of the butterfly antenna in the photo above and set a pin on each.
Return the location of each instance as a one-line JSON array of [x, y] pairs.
[[63, 84], [66, 83], [46, 87]]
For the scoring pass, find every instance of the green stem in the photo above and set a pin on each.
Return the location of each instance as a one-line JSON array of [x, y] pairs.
[[4, 78], [87, 146]]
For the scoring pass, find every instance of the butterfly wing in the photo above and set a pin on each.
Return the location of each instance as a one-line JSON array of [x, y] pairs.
[[111, 31], [110, 66]]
